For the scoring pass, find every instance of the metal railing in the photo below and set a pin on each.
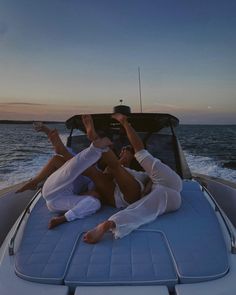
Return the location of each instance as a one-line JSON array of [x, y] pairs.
[[26, 211]]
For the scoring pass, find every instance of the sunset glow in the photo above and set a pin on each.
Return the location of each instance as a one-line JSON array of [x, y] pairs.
[[59, 58]]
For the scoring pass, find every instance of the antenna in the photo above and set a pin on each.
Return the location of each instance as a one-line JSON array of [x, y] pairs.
[[140, 93]]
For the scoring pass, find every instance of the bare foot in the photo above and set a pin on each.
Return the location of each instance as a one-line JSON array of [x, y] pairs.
[[40, 127], [55, 221], [102, 142], [95, 235], [90, 130], [122, 119], [30, 185]]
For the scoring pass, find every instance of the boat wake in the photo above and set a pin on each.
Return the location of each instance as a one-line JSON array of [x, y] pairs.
[[210, 167], [20, 171]]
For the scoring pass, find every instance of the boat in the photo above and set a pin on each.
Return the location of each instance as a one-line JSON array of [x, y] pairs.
[[190, 251]]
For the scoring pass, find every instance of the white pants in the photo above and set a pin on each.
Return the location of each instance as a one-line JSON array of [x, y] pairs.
[[164, 196], [58, 188], [74, 206]]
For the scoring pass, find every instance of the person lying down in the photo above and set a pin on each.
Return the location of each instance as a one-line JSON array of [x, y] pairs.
[[164, 196], [117, 186], [77, 197]]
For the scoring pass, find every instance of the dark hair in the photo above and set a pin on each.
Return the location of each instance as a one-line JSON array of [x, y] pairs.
[[128, 148]]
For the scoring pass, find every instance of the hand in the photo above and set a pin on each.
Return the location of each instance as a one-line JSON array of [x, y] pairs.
[[122, 119]]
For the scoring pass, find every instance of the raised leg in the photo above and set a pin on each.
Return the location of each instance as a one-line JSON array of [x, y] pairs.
[[128, 185], [58, 145], [90, 130], [55, 139], [104, 185], [126, 182], [53, 164], [74, 167], [158, 171]]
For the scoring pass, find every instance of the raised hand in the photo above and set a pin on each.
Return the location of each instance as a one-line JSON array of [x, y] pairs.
[[122, 119]]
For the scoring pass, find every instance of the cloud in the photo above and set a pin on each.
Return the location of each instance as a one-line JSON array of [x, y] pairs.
[[20, 104], [45, 112], [166, 105]]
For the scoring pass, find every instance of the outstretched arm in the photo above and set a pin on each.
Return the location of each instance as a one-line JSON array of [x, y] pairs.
[[133, 137]]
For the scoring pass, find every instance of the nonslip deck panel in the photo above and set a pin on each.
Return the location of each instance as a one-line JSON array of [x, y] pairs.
[[194, 237], [138, 259], [44, 255], [185, 246]]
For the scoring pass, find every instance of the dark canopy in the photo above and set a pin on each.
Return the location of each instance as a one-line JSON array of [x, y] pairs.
[[142, 122]]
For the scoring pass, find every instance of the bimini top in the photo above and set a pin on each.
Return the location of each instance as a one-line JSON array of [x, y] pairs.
[[142, 122]]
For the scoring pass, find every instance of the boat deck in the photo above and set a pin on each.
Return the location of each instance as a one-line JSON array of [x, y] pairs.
[[186, 246]]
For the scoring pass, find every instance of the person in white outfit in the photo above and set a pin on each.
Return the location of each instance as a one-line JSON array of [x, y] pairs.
[[164, 195], [118, 186], [77, 198], [58, 189], [63, 154]]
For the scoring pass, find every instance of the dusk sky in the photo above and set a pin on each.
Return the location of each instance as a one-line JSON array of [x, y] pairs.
[[63, 57]]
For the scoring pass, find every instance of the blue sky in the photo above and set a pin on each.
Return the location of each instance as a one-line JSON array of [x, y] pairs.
[[62, 57]]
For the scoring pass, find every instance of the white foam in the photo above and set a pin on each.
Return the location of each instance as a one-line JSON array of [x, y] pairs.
[[208, 166], [24, 171], [198, 164]]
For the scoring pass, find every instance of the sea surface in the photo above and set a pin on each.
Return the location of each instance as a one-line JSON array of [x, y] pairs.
[[209, 149]]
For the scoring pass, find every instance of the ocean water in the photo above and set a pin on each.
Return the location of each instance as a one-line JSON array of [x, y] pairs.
[[23, 152], [209, 149]]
